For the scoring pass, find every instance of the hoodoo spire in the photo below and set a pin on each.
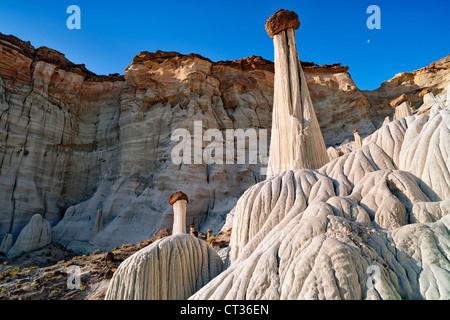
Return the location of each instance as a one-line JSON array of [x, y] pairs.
[[297, 141]]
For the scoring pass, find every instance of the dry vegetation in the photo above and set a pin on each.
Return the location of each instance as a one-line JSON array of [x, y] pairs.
[[43, 274]]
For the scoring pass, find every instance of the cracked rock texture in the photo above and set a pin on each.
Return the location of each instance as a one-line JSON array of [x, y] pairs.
[[172, 268], [371, 224], [73, 143]]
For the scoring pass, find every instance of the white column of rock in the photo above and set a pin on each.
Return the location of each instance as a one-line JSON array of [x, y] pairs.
[[402, 107], [298, 143], [332, 153], [358, 141], [179, 202], [402, 110], [172, 268], [428, 98], [98, 225]]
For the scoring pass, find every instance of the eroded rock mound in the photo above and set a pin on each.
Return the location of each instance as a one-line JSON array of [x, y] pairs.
[[361, 227], [296, 140], [172, 268], [280, 21], [36, 234]]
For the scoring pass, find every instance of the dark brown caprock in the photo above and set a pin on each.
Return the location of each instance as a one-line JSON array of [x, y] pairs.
[[174, 197], [282, 20]]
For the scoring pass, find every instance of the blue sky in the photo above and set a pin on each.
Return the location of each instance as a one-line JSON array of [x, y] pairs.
[[413, 33]]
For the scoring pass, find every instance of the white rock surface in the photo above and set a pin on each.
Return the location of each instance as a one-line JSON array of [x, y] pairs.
[[172, 268], [35, 235], [420, 145], [327, 234], [402, 111], [6, 243], [296, 141], [179, 217]]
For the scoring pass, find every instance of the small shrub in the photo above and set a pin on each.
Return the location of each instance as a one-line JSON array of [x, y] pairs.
[[211, 239], [55, 293]]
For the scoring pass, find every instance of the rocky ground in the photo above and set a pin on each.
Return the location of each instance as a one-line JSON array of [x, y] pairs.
[[43, 274]]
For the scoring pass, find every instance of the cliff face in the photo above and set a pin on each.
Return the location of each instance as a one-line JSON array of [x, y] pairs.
[[72, 142], [435, 77]]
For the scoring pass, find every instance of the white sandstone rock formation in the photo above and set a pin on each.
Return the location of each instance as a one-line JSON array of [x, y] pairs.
[[403, 110], [379, 213], [296, 141], [402, 107], [332, 153], [172, 268], [74, 142], [6, 243], [98, 226], [428, 98], [36, 234], [358, 141], [179, 201]]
